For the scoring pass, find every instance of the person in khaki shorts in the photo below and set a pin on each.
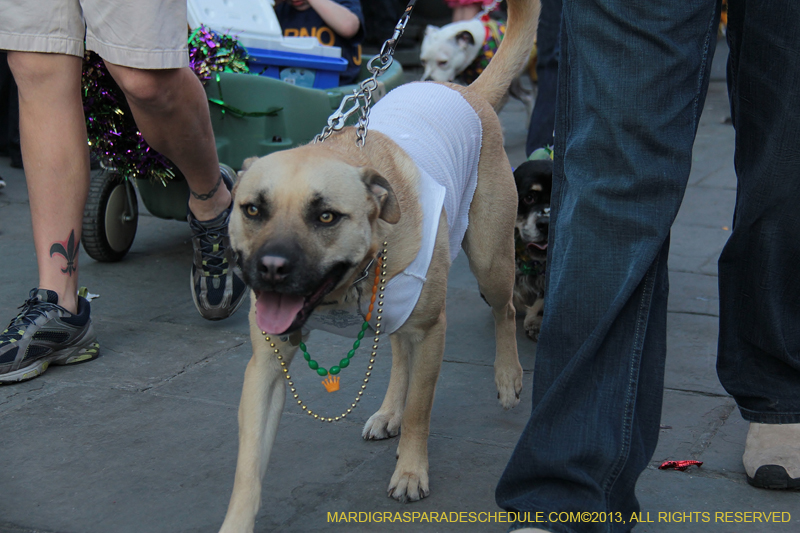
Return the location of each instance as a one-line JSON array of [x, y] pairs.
[[143, 44]]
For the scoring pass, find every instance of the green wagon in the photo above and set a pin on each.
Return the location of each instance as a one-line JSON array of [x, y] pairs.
[[112, 211]]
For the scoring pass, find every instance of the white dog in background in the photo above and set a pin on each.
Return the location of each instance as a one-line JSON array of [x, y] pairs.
[[447, 51], [453, 50]]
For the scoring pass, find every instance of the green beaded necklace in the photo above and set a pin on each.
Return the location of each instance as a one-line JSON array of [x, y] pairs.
[[313, 365], [331, 383], [321, 371]]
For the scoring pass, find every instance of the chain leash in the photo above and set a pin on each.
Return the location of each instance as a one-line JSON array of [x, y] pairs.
[[361, 99]]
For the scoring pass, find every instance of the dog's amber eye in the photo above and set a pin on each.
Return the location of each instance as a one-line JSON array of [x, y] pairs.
[[251, 210], [442, 64], [326, 217], [530, 198]]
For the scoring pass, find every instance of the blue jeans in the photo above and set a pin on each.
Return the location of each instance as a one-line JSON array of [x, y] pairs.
[[543, 116], [632, 83], [759, 345]]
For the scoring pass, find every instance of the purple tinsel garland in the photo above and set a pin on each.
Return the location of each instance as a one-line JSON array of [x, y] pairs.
[[114, 138]]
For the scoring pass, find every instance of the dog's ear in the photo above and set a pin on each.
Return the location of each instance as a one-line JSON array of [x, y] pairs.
[[384, 194], [465, 39], [247, 164], [430, 30]]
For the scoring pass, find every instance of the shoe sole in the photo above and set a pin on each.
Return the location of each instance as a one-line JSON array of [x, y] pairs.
[[213, 310], [78, 354], [773, 477]]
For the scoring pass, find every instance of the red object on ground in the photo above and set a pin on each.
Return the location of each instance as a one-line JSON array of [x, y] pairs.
[[679, 465]]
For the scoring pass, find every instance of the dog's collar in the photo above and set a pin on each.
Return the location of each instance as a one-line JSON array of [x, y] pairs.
[[532, 267], [365, 273]]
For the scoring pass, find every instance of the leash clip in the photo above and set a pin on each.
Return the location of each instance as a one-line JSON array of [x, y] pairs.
[[365, 273], [362, 97]]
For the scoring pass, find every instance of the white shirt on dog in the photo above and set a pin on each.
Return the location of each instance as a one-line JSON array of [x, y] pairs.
[[442, 133]]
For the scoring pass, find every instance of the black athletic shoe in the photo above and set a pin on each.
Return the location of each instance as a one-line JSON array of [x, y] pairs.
[[45, 333], [217, 286]]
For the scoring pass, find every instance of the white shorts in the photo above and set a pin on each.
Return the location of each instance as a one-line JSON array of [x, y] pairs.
[[147, 34]]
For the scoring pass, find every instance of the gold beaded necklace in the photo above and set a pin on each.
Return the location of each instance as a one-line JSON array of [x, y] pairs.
[[331, 382]]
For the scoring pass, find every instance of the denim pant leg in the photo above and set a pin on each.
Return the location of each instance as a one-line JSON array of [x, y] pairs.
[[759, 344], [540, 129], [632, 84]]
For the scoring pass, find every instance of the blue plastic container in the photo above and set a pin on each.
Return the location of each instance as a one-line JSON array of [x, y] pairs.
[[270, 63]]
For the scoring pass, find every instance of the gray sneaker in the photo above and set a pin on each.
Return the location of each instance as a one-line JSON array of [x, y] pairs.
[[45, 333], [217, 286]]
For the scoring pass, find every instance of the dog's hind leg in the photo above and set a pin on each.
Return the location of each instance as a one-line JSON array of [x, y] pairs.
[[263, 397], [385, 423], [489, 245]]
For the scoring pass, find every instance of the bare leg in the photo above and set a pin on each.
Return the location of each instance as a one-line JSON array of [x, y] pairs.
[[171, 111], [56, 159]]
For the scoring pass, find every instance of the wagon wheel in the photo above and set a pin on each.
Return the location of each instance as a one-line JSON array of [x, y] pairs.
[[110, 217]]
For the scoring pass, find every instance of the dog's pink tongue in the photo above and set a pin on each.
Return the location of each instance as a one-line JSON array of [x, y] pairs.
[[275, 312], [542, 246]]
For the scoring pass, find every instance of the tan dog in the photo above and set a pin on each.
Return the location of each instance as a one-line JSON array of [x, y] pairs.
[[308, 221]]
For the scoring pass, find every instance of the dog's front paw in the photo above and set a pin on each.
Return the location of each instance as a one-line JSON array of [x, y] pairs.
[[508, 380], [382, 425], [409, 485], [532, 325], [238, 524]]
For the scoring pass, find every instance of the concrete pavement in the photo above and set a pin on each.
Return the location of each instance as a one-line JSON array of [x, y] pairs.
[[145, 437]]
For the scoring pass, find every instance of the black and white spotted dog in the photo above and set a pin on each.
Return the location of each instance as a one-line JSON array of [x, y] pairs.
[[534, 182]]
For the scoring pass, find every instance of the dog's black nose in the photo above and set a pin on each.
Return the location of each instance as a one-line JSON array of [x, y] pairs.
[[543, 222], [274, 268]]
